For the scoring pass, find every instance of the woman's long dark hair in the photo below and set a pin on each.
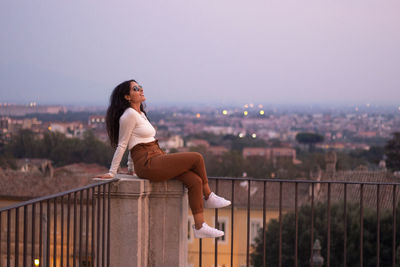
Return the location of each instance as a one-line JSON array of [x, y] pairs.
[[118, 104]]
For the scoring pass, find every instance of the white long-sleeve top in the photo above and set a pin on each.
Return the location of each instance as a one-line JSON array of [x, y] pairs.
[[134, 128]]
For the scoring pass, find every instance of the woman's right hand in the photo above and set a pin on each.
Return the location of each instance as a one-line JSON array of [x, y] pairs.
[[105, 176]]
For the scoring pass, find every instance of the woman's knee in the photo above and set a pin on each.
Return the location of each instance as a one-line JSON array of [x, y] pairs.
[[193, 181], [198, 157]]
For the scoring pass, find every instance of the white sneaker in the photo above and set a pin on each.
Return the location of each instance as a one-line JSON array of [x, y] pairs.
[[207, 232], [215, 202]]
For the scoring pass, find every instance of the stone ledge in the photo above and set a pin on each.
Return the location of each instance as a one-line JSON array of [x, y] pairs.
[[146, 218]]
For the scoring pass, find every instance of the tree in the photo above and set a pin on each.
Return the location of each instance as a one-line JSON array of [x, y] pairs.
[[229, 164], [320, 232], [392, 152], [258, 167], [25, 144], [374, 155], [309, 139], [59, 149]]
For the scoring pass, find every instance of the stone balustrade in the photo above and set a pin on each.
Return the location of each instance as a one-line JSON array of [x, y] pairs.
[[148, 223]]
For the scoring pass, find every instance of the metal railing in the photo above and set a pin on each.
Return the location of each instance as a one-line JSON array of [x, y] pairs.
[[71, 228], [347, 202]]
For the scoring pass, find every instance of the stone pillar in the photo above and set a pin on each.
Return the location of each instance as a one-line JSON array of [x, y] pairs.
[[168, 224], [129, 222], [148, 223]]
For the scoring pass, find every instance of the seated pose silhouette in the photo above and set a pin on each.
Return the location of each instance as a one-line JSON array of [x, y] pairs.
[[128, 127]]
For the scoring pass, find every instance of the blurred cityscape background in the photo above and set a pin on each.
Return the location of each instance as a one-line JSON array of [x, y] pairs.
[[287, 91], [288, 141], [49, 149]]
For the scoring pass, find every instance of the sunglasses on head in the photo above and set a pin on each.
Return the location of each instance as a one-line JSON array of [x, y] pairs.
[[138, 88]]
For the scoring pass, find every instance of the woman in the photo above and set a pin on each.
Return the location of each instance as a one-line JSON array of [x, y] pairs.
[[128, 126]]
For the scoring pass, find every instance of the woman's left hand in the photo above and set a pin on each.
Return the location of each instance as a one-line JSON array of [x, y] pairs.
[[105, 176]]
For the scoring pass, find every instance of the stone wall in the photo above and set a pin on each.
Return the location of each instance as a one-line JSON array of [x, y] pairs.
[[148, 223]]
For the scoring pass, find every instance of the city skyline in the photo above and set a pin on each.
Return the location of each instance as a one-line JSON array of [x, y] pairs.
[[283, 52], [232, 108]]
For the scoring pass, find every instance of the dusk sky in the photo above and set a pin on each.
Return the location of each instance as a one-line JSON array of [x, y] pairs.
[[208, 51]]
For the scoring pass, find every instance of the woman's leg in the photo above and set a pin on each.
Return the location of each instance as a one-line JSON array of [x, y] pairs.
[[168, 166], [198, 220], [195, 192], [187, 167]]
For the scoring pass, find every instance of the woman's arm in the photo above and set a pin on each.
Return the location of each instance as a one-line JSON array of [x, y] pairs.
[[127, 123]]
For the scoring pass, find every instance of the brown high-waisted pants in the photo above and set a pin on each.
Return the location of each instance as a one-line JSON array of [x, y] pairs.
[[150, 162]]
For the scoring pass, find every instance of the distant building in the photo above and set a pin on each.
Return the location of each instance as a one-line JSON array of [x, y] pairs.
[[219, 130], [43, 166], [17, 186], [272, 154], [9, 125], [217, 150], [22, 110], [343, 146], [369, 134], [197, 143], [4, 123], [70, 129], [360, 174], [29, 182], [97, 122], [173, 142], [240, 219]]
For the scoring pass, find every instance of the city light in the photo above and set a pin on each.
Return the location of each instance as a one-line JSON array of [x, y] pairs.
[[225, 112], [241, 135], [36, 262], [246, 113], [261, 112], [356, 109], [252, 105], [246, 106], [253, 135], [198, 115], [49, 128], [260, 106]]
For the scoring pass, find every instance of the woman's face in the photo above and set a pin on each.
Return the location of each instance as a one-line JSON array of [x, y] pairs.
[[135, 94]]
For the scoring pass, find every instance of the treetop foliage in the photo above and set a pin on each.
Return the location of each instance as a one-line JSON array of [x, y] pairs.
[[58, 148], [392, 152]]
